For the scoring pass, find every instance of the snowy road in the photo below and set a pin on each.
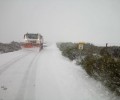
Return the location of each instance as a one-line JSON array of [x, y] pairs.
[[46, 75]]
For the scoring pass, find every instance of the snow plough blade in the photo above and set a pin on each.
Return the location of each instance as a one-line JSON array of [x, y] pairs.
[[27, 46], [30, 45]]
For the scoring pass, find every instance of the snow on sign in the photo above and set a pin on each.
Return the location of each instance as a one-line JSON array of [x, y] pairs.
[[80, 45]]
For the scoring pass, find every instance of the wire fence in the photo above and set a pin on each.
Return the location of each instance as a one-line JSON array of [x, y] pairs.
[[108, 44]]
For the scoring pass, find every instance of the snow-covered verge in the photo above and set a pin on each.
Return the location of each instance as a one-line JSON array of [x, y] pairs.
[[9, 47], [102, 65]]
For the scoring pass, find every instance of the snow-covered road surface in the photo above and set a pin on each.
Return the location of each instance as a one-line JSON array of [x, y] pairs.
[[46, 75]]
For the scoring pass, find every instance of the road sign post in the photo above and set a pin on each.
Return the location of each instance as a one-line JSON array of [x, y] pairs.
[[80, 47]]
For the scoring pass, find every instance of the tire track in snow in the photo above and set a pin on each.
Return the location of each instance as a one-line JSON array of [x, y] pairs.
[[7, 65], [28, 80]]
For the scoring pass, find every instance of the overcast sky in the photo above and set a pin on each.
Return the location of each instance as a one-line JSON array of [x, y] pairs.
[[95, 21]]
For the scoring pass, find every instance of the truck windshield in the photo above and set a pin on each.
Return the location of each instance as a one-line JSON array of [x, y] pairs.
[[32, 36]]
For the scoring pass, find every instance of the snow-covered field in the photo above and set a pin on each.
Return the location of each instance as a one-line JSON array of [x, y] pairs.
[[46, 75]]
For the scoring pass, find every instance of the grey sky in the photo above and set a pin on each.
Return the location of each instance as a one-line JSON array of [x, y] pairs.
[[96, 21]]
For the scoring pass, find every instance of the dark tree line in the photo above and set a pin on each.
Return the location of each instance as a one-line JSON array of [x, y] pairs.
[[9, 47]]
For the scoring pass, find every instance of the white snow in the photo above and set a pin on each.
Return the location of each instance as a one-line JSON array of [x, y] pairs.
[[46, 75]]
